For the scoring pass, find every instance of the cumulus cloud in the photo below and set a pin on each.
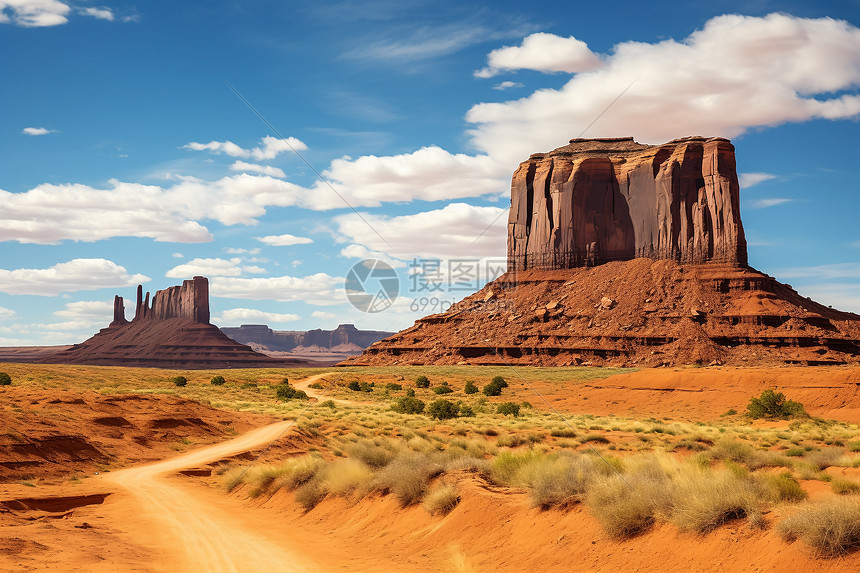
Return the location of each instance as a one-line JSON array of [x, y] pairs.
[[87, 310], [544, 53], [506, 85], [319, 289], [456, 229], [323, 314], [252, 315], [6, 313], [285, 240], [747, 180], [736, 73], [269, 147], [71, 276], [207, 268], [246, 167], [101, 13], [37, 131], [823, 272], [33, 13]]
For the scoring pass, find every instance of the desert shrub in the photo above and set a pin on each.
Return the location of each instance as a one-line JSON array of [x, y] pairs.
[[410, 392], [179, 381], [843, 487], [854, 446], [347, 477], [407, 477], [470, 387], [248, 386], [626, 505], [443, 389], [596, 438], [772, 404], [422, 382], [443, 409], [466, 411], [441, 499], [408, 405], [5, 379], [794, 452], [508, 409], [563, 433], [785, 487], [309, 494], [393, 386], [328, 404], [316, 385], [373, 454], [511, 441], [703, 499], [286, 392], [217, 380], [831, 528], [354, 385], [494, 388], [825, 457]]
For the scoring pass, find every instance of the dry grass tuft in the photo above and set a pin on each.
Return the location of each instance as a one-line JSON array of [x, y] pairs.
[[442, 499], [703, 500], [407, 477], [831, 529]]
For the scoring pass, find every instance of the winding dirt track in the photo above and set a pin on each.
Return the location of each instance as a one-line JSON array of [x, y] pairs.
[[196, 531]]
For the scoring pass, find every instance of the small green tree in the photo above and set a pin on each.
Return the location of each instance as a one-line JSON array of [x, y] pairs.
[[443, 409], [5, 379], [443, 389], [179, 380], [354, 385], [408, 405], [422, 382], [508, 409], [286, 392], [470, 387], [217, 381], [393, 386], [494, 388], [772, 404], [410, 392]]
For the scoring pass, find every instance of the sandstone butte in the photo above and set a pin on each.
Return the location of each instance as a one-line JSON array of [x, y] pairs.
[[171, 332], [626, 254]]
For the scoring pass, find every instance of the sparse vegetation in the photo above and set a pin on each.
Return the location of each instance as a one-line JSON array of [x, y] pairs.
[[408, 405], [470, 387], [508, 409], [443, 388], [218, 380], [286, 391], [831, 528], [5, 379], [443, 409], [442, 499], [422, 382], [316, 385], [494, 388], [392, 386], [179, 381], [773, 405]]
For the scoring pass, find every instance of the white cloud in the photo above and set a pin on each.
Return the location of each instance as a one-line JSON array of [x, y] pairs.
[[33, 13], [72, 276], [765, 203], [100, 13], [206, 268], [87, 310], [457, 229], [246, 167], [6, 313], [37, 131], [542, 52], [178, 256], [318, 289], [270, 147], [736, 73], [237, 251], [323, 314], [251, 315], [354, 251], [842, 296], [284, 240], [823, 272], [254, 270], [747, 180], [507, 85]]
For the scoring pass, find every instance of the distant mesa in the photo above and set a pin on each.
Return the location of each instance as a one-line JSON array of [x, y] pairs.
[[626, 254], [345, 340], [173, 331]]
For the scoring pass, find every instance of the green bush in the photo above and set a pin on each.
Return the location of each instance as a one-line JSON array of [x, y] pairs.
[[422, 382], [286, 391], [393, 386], [508, 409], [179, 380], [443, 389], [466, 411], [217, 381], [354, 385], [408, 405], [772, 404], [328, 404], [443, 409], [794, 452], [410, 392], [365, 387], [494, 388], [5, 379], [470, 387], [316, 386]]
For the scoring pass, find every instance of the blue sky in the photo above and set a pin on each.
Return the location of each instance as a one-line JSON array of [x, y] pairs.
[[127, 157]]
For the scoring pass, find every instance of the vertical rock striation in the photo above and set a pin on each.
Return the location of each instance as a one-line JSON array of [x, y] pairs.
[[599, 200], [189, 301]]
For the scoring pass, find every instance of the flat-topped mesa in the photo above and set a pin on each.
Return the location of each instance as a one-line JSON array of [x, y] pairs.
[[189, 301], [599, 200]]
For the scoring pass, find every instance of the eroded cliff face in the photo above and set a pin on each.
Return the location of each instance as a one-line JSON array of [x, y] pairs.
[[189, 301], [599, 200]]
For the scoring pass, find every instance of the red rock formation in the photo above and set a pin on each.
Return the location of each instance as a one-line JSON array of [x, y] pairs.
[[118, 312], [598, 200], [189, 301]]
